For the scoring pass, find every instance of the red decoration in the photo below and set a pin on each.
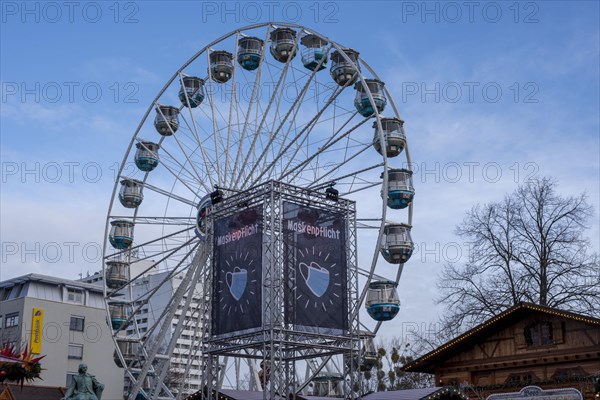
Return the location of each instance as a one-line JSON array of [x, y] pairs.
[[19, 367]]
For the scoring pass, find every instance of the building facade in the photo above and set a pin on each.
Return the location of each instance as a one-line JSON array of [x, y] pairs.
[[64, 320]]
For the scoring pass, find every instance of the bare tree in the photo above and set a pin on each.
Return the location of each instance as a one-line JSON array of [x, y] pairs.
[[386, 373], [530, 247]]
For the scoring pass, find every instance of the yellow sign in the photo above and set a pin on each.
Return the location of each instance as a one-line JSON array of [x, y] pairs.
[[37, 324]]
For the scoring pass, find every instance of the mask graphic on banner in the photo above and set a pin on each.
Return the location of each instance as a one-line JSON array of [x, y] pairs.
[[236, 281], [315, 277]]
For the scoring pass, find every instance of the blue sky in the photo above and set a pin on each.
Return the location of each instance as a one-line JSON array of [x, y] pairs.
[[509, 88]]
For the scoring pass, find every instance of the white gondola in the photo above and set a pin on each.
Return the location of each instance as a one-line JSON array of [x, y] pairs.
[[397, 246], [393, 136], [166, 121], [283, 44], [342, 71], [131, 194]]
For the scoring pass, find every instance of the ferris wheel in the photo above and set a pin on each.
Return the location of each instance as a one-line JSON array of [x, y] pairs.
[[272, 102]]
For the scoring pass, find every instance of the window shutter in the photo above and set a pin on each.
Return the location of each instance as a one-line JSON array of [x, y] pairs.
[[557, 331]]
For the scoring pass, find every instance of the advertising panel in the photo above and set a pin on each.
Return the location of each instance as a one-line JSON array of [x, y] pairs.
[[37, 325], [315, 267], [537, 393], [237, 277]]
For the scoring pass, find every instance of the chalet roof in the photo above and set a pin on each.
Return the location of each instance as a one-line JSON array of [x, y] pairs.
[[30, 392], [244, 394], [416, 394], [468, 339]]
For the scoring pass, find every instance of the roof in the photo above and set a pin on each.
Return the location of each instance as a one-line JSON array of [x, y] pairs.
[[50, 280], [514, 314], [244, 394], [28, 392], [415, 394]]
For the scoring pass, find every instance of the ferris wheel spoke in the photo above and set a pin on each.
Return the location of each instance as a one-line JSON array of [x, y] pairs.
[[254, 99], [177, 176], [168, 253], [232, 102], [139, 246], [189, 161], [194, 130], [332, 141], [169, 194], [214, 119], [318, 183], [305, 131], [293, 108], [266, 113], [169, 277]]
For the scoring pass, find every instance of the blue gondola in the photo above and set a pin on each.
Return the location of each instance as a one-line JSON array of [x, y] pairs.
[[250, 51], [314, 55], [382, 300], [363, 103], [146, 156], [118, 314], [400, 188], [121, 234]]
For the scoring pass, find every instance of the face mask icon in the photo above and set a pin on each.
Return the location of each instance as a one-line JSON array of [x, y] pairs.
[[315, 277], [236, 281]]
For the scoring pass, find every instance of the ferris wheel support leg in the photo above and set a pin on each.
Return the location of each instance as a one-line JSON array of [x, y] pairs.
[[199, 259], [165, 328]]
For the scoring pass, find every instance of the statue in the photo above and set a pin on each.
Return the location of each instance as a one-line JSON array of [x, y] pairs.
[[84, 386]]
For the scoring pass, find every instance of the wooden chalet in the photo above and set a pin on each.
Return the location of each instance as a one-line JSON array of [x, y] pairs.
[[525, 345]]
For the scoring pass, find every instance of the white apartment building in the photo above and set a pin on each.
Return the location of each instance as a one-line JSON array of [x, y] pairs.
[[64, 320]]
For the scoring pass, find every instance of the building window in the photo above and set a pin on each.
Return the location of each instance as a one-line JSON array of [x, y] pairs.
[[564, 374], [75, 296], [522, 378], [76, 324], [75, 351], [12, 320], [538, 333], [70, 377]]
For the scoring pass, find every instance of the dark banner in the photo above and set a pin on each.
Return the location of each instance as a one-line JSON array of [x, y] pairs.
[[315, 261], [237, 280]]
